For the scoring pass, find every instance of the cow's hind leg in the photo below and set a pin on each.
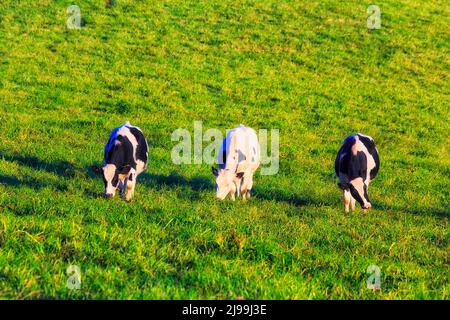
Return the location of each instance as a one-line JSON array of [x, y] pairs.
[[346, 198], [352, 203], [131, 183]]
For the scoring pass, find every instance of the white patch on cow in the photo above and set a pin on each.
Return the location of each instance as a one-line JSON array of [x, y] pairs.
[[365, 136], [131, 185], [225, 181], [125, 132], [359, 146], [140, 166], [108, 172], [127, 124]]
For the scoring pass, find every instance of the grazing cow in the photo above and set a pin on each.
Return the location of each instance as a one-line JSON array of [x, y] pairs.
[[357, 163], [238, 159], [125, 157]]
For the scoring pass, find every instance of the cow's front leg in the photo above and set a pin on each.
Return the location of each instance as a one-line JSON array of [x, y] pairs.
[[122, 187], [249, 187], [131, 183], [243, 186], [237, 187], [346, 198], [233, 191], [244, 193]]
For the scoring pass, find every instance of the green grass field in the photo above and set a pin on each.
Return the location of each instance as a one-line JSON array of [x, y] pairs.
[[311, 69]]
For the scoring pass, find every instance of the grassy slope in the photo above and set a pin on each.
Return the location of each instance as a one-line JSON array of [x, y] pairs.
[[310, 68]]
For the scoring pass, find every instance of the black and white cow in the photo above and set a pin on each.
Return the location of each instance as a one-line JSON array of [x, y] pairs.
[[125, 157], [357, 164]]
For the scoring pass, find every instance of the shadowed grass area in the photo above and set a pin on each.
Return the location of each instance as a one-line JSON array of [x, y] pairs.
[[311, 69]]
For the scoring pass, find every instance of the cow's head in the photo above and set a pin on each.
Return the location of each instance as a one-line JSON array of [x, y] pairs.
[[225, 181], [110, 176]]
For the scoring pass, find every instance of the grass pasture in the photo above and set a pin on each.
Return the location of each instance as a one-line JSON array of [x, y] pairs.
[[311, 69]]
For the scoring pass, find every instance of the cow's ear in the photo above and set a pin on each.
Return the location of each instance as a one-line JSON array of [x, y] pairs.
[[215, 172], [239, 175], [97, 169]]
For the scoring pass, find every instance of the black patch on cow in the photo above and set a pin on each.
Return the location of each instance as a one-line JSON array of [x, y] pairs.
[[125, 169], [357, 166], [121, 152], [346, 162], [374, 171], [115, 180], [124, 186], [223, 160], [344, 186], [341, 165], [241, 156], [141, 149], [121, 155]]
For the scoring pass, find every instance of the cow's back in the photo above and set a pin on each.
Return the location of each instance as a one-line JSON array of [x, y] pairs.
[[357, 156], [133, 141], [141, 151], [240, 149]]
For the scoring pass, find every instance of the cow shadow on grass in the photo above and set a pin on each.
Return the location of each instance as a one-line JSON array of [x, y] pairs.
[[12, 181], [437, 212], [58, 167], [196, 185], [160, 181], [202, 183], [288, 197], [63, 168]]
